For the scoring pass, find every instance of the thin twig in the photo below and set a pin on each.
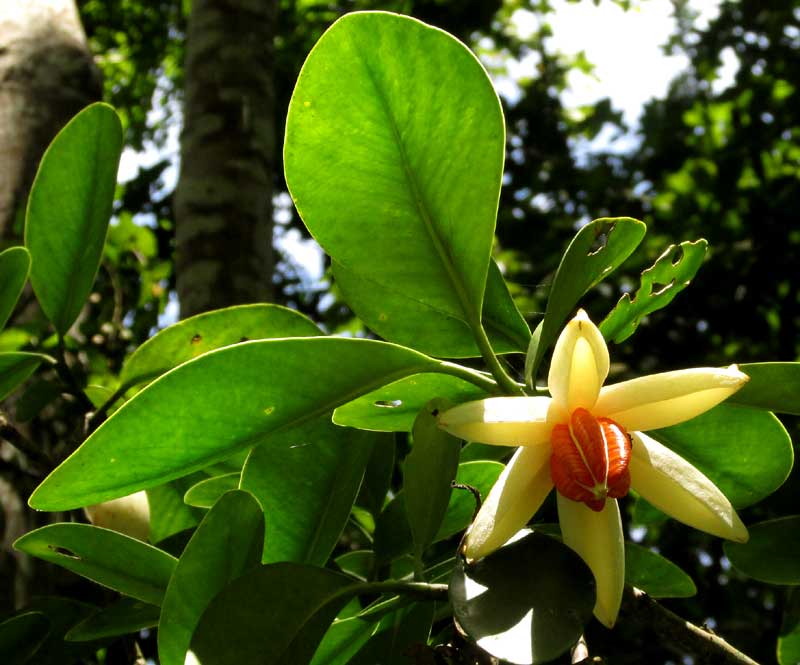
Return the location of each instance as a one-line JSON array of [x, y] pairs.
[[639, 608], [11, 434]]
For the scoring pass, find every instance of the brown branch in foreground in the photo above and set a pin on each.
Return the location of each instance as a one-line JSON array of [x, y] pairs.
[[639, 608]]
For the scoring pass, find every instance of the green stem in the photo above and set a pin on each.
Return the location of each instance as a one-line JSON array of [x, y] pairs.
[[100, 415], [509, 386], [473, 376], [421, 590]]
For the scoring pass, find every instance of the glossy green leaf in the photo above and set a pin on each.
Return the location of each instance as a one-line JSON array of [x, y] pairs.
[[429, 469], [392, 533], [15, 367], [525, 603], [660, 283], [124, 616], [21, 636], [69, 209], [378, 475], [656, 575], [307, 479], [109, 558], [399, 636], [343, 640], [359, 563], [581, 268], [394, 315], [773, 552], [395, 163], [393, 408], [222, 402], [273, 614], [772, 386], [746, 453], [207, 492], [168, 512], [226, 544], [15, 264], [205, 332], [36, 397]]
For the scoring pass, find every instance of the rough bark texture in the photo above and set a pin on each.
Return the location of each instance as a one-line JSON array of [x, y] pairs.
[[46, 76], [223, 202]]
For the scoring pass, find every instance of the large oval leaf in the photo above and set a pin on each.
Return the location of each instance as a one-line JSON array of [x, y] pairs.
[[211, 330], [207, 492], [217, 404], [124, 616], [656, 575], [525, 603], [773, 552], [15, 367], [307, 479], [272, 614], [398, 317], [15, 264], [394, 407], [109, 558], [772, 386], [21, 636], [69, 209], [394, 156], [746, 453], [226, 544]]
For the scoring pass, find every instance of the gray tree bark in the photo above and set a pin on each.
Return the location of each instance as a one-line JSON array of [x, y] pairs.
[[223, 201], [46, 76]]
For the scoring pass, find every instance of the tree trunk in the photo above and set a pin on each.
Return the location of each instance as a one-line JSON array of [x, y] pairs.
[[223, 201], [46, 76]]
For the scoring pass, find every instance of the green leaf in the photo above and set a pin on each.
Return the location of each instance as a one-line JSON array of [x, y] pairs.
[[772, 386], [359, 563], [226, 544], [307, 479], [222, 402], [789, 640], [773, 552], [343, 640], [212, 330], [168, 512], [273, 614], [525, 603], [207, 492], [69, 210], [378, 475], [62, 613], [15, 264], [109, 558], [656, 575], [746, 453], [398, 635], [666, 278], [392, 533], [21, 636], [581, 268], [393, 408], [394, 315], [429, 469], [394, 157], [35, 398], [15, 367], [124, 616]]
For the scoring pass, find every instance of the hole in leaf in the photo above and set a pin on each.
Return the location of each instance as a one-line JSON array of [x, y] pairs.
[[658, 288], [677, 255], [63, 551], [244, 339], [601, 239], [388, 403], [197, 338]]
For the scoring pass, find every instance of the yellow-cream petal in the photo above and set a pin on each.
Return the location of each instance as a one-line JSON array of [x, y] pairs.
[[502, 421], [661, 400], [597, 538], [127, 514], [676, 487], [515, 497], [579, 365]]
